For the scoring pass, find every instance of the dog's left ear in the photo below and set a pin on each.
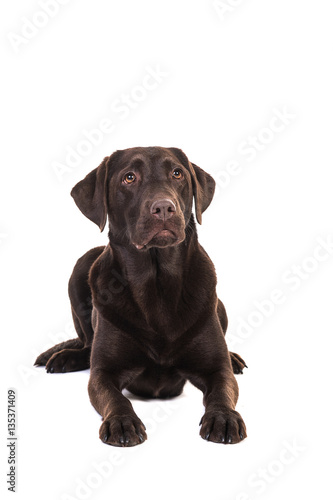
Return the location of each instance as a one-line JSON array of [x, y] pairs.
[[203, 190], [90, 194], [203, 184]]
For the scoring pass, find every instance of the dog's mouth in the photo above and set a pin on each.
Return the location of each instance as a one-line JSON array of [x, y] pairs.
[[161, 239]]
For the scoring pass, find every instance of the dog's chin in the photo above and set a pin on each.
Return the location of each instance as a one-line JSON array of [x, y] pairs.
[[161, 239]]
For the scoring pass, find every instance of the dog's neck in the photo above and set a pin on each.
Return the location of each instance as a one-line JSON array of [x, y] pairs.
[[167, 260], [156, 273], [159, 283]]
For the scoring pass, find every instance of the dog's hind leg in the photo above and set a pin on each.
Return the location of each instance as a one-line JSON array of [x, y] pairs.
[[222, 314], [43, 358], [74, 355], [71, 359], [238, 363], [69, 356]]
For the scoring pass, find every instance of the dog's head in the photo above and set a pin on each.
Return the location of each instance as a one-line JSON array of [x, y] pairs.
[[147, 194]]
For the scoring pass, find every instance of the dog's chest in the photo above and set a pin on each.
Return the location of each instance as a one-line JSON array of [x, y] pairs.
[[159, 304]]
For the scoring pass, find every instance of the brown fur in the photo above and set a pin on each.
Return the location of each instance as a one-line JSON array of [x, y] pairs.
[[145, 306]]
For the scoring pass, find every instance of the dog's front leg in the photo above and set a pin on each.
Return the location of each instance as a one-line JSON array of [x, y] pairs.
[[121, 426], [214, 377], [221, 423], [115, 362]]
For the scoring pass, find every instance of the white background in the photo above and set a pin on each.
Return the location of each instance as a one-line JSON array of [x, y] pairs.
[[224, 75]]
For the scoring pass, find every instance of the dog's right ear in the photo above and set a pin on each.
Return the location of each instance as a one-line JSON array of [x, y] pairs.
[[90, 194]]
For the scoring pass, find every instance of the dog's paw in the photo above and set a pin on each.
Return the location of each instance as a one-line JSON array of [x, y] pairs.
[[224, 426], [238, 363], [122, 430], [41, 360], [68, 360]]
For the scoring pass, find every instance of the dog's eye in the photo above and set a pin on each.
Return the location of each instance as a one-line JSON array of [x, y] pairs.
[[129, 178], [177, 173]]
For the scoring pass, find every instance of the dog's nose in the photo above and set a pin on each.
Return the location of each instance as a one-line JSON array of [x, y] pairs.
[[163, 209]]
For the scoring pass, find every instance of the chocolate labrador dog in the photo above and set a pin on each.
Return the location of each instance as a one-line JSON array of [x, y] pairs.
[[145, 306]]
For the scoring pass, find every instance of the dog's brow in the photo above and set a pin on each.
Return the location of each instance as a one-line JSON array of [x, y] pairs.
[[169, 162], [136, 162]]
